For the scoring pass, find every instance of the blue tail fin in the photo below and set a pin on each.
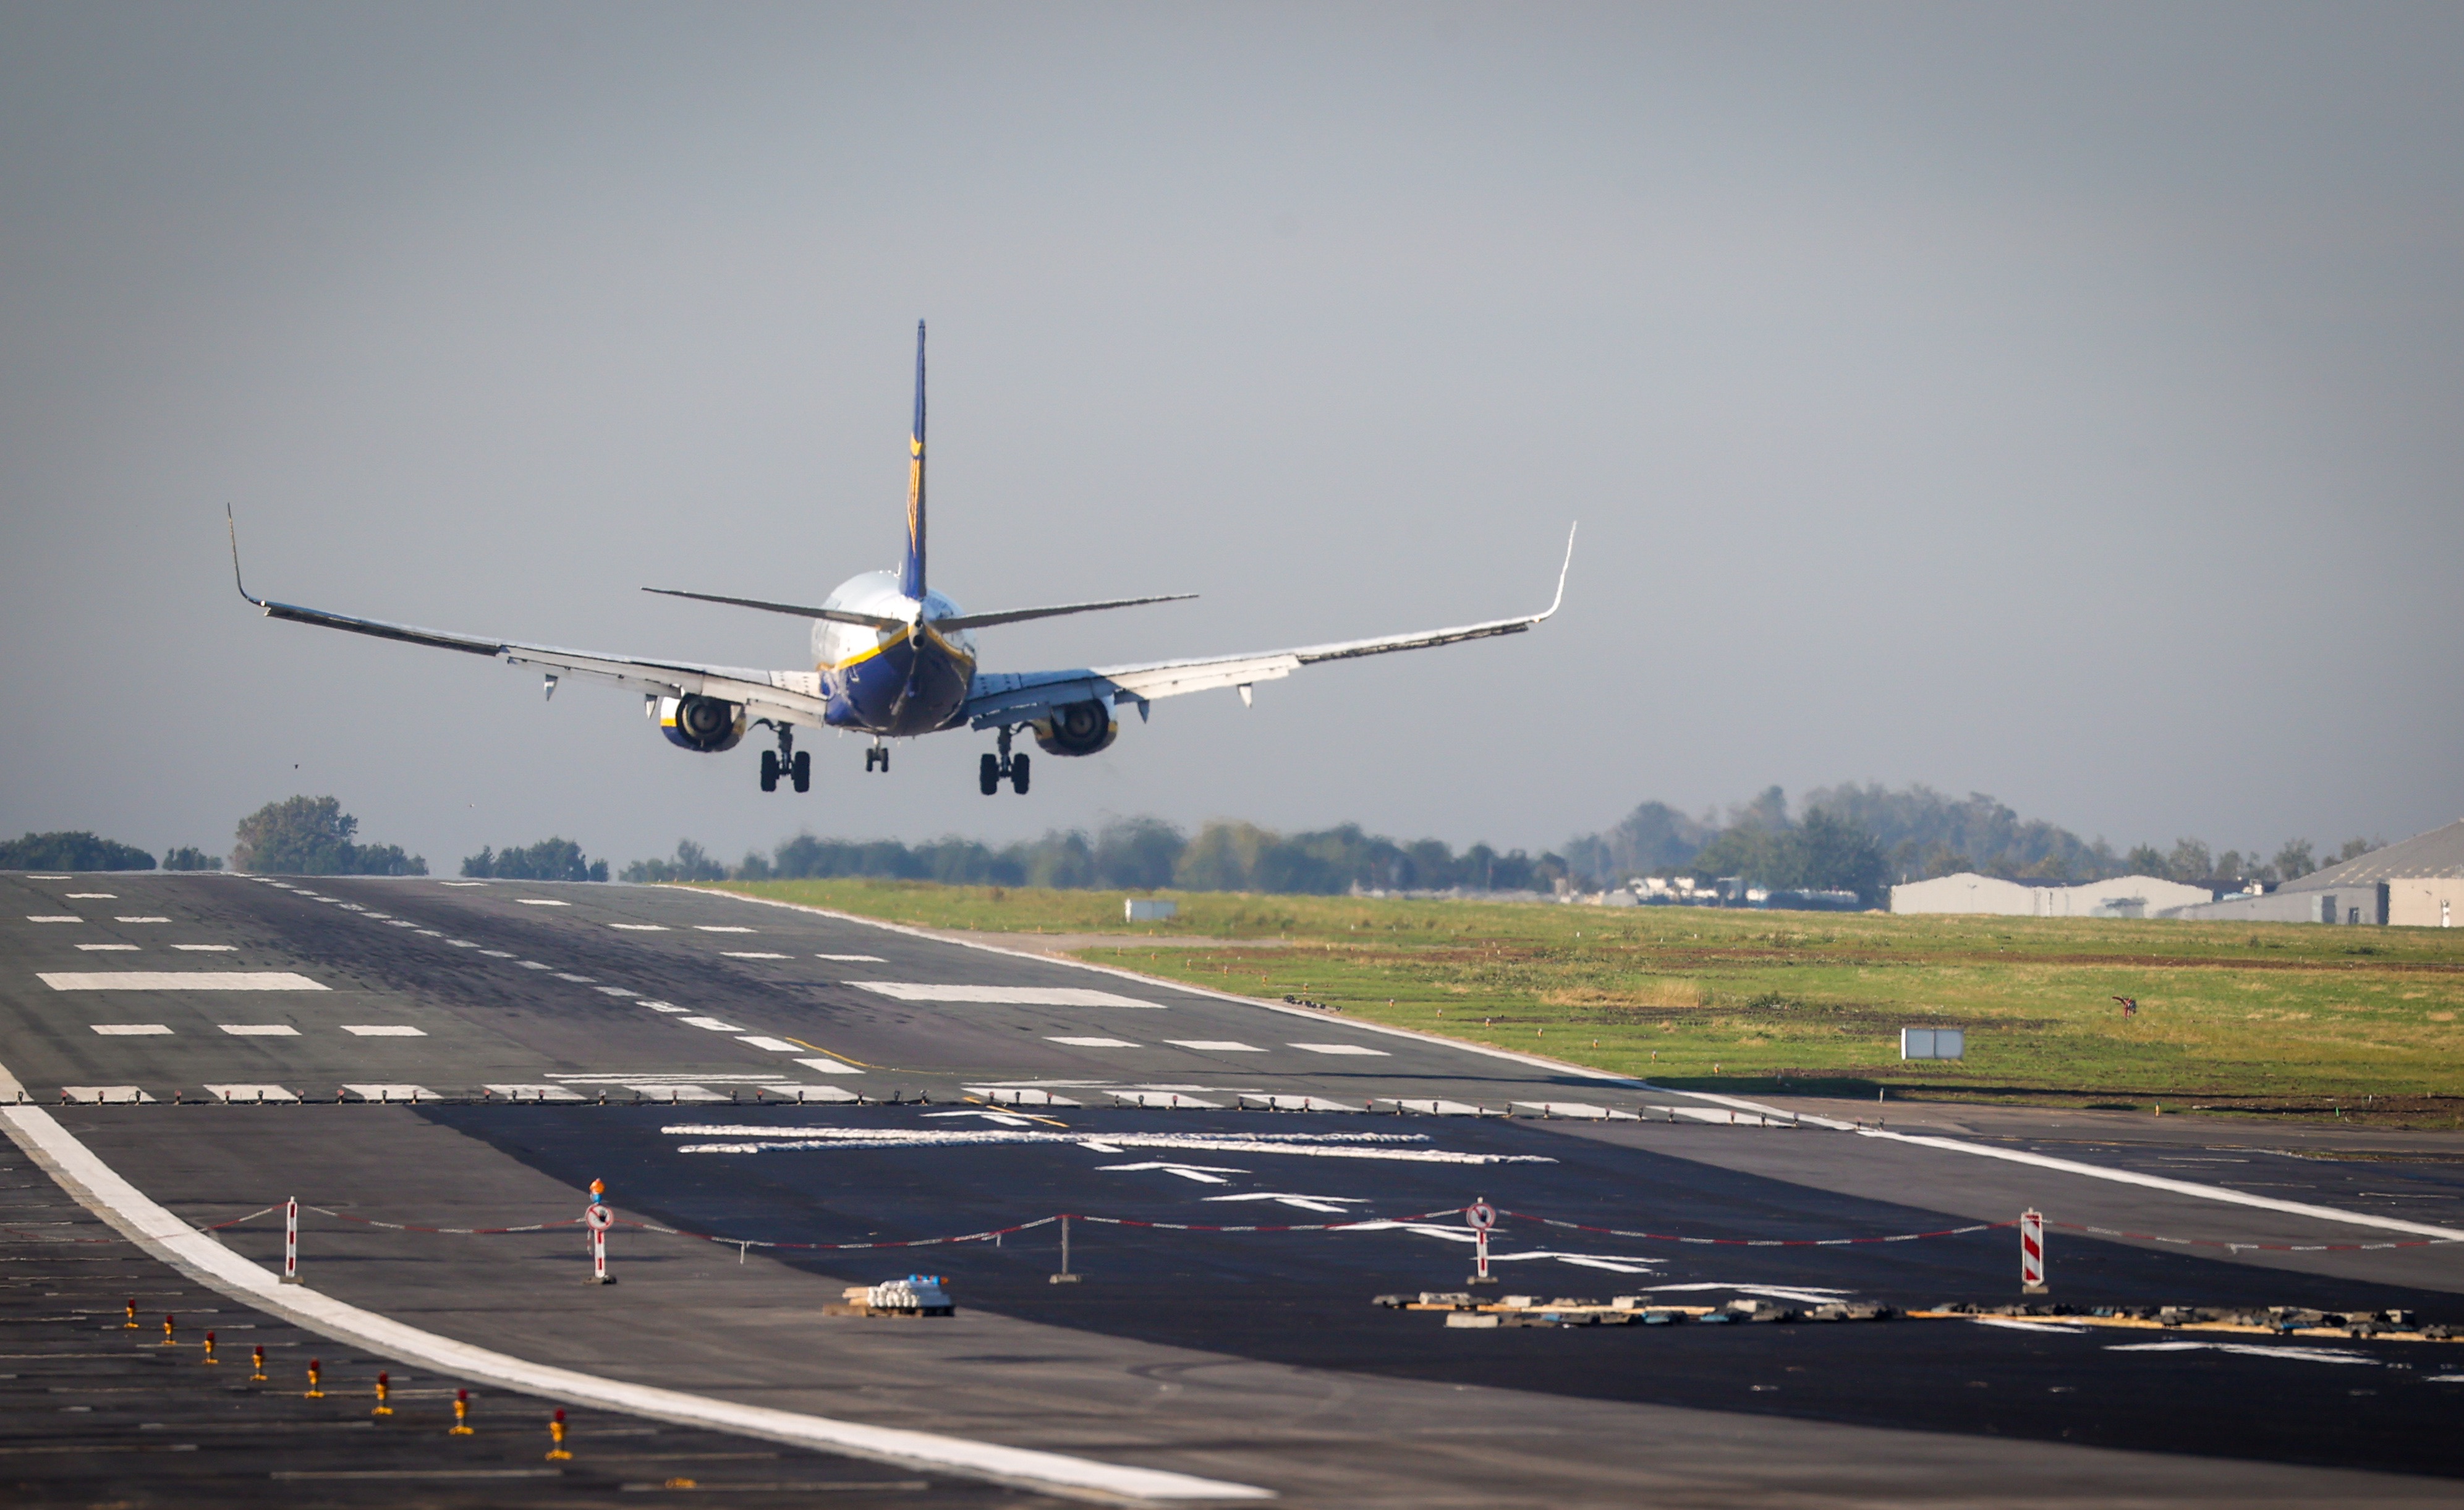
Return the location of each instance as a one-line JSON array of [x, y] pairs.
[[911, 574]]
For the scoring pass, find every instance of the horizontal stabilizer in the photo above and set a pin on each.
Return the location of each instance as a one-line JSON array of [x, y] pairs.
[[980, 620], [871, 621]]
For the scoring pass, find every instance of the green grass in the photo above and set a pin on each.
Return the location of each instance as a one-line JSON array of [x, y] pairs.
[[2282, 1017]]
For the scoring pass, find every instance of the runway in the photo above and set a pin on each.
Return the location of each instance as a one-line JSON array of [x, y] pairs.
[[730, 1041]]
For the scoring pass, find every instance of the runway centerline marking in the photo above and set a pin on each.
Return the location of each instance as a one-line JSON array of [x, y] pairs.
[[131, 1030], [92, 949], [177, 980], [639, 927], [1342, 1048], [829, 1066], [713, 1025], [52, 917], [719, 928], [542, 901], [259, 1029], [1216, 1045], [750, 953], [1093, 1043], [774, 1045], [384, 1030], [90, 896], [141, 920], [853, 959], [1002, 996], [207, 949]]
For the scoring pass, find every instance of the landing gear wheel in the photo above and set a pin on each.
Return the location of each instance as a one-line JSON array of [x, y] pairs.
[[769, 770], [801, 772], [988, 773], [877, 759], [1017, 774]]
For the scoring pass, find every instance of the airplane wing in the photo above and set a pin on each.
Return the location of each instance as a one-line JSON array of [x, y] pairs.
[[1015, 697], [787, 696]]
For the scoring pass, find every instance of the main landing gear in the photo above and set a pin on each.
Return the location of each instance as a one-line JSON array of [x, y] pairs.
[[796, 765], [994, 767], [877, 758]]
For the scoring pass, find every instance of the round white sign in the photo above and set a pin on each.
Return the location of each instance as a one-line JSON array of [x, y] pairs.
[[1480, 1216], [600, 1217]]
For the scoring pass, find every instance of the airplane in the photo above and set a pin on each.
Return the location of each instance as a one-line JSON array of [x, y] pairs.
[[895, 658]]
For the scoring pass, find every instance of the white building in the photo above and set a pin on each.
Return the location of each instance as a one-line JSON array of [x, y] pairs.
[[2123, 896]]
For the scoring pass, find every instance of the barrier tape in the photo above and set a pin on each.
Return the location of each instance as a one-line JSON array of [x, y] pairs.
[[1349, 1222]]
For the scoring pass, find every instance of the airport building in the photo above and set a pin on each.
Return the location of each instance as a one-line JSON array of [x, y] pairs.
[[2416, 883], [2123, 896]]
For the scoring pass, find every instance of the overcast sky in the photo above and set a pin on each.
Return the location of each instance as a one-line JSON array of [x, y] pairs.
[[2061, 402]]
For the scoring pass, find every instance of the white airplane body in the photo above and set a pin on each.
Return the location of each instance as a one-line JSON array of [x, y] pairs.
[[894, 659]]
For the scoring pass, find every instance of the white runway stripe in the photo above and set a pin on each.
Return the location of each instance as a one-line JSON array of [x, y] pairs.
[[177, 980], [260, 1030], [542, 901], [530, 1092], [107, 1095], [52, 917], [382, 1093], [1001, 996], [713, 1025], [252, 1094], [95, 949], [1094, 1044], [639, 927], [143, 920], [207, 949], [132, 1030], [90, 896], [384, 1030], [750, 953], [774, 1045], [828, 1066], [853, 959], [1341, 1048], [719, 928], [1216, 1045]]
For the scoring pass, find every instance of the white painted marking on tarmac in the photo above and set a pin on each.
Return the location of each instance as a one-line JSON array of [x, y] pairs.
[[132, 1030], [399, 922], [830, 1066], [461, 883], [252, 1094], [719, 928], [1578, 1111], [523, 1092], [205, 949], [713, 1025], [853, 959], [1330, 1205], [1202, 1174], [1012, 1096], [2017, 1325], [664, 1006], [461, 943], [167, 1237], [1341, 1048], [617, 991], [542, 901], [670, 1090], [30, 877], [1378, 1146], [578, 980], [381, 1091], [774, 1045], [495, 953], [178, 980], [1282, 1103], [1093, 1043], [2249, 1350], [141, 920], [1168, 1099], [52, 917], [259, 1029], [107, 1095], [1001, 996], [1216, 1045], [1436, 1108], [529, 964], [96, 948], [750, 953], [809, 1094], [90, 896], [639, 927], [384, 1030]]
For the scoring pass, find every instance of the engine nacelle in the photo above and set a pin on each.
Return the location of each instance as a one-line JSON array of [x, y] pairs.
[[1078, 729], [707, 725]]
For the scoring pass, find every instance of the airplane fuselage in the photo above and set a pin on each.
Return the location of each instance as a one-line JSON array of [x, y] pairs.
[[898, 683]]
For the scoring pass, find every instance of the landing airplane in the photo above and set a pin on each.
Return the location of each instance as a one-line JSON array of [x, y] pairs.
[[894, 659]]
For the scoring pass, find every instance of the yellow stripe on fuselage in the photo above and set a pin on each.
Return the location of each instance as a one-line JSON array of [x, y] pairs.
[[962, 657]]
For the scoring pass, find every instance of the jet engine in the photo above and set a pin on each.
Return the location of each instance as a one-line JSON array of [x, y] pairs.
[[707, 725], [1076, 728]]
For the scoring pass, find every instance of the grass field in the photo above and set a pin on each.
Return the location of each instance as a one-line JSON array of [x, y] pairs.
[[2282, 1018]]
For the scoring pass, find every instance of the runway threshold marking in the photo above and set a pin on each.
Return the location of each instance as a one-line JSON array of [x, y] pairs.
[[176, 981]]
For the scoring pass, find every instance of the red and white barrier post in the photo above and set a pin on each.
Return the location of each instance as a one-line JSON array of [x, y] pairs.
[[291, 1241], [1480, 1217], [2031, 1252], [600, 1219]]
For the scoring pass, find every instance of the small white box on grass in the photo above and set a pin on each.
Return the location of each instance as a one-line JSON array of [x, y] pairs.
[[1151, 909], [1934, 1043]]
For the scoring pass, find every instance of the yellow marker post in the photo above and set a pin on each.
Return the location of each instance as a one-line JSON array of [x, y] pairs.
[[461, 1414], [259, 1377], [168, 1340], [209, 1349], [556, 1433], [316, 1380], [384, 1388], [130, 1324]]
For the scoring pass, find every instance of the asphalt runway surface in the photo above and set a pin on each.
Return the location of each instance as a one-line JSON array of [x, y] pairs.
[[514, 1011]]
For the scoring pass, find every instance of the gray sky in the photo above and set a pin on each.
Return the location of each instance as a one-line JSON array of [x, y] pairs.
[[2055, 402]]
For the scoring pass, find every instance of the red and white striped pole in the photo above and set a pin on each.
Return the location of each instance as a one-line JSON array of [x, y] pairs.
[[291, 1241], [600, 1218], [2031, 1252], [1480, 1217]]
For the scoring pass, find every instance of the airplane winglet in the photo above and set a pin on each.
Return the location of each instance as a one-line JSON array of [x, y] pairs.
[[1562, 571], [233, 520]]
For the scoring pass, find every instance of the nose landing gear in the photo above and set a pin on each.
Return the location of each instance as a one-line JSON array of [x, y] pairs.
[[877, 758], [796, 765], [993, 768]]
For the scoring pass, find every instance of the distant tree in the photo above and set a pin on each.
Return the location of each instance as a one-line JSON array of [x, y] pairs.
[[312, 836], [2190, 862], [187, 857], [691, 863], [1655, 839], [1137, 853], [2145, 859], [2356, 848], [2292, 862], [548, 860], [1838, 855], [71, 850]]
